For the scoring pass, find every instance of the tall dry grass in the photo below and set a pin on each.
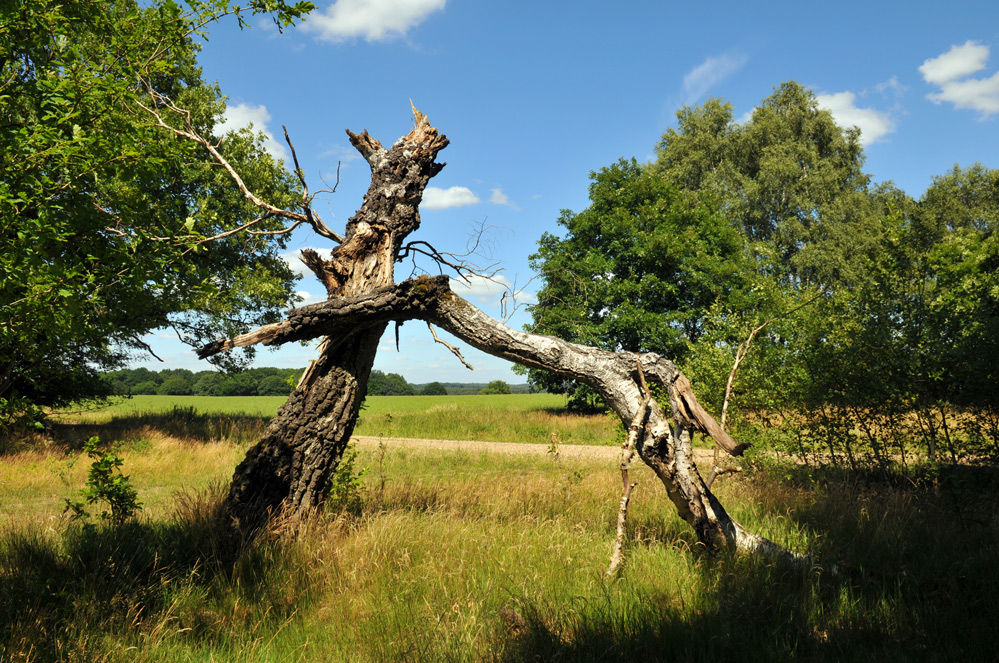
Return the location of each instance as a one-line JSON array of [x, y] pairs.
[[481, 556], [472, 556]]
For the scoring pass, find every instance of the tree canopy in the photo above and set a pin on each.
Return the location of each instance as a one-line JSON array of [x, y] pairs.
[[110, 226], [858, 302]]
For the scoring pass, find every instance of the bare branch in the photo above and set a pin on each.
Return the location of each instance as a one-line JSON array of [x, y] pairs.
[[455, 351], [635, 431], [160, 100], [306, 203]]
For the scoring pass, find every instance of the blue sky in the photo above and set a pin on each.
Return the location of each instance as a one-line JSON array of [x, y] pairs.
[[535, 95]]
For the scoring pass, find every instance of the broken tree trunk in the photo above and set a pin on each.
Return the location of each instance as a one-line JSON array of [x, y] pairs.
[[289, 469]]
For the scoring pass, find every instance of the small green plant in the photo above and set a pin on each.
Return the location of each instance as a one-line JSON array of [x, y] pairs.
[[347, 484], [105, 484]]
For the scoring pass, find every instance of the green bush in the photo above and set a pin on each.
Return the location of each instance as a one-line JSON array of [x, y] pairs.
[[175, 387], [105, 484], [496, 387]]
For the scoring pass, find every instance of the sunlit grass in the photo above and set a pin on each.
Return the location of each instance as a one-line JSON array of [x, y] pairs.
[[506, 418], [475, 555]]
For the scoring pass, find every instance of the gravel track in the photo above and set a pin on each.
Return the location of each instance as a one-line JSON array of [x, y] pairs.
[[703, 457]]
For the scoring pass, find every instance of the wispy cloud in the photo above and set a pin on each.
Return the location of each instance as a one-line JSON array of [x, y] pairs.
[[456, 196], [500, 198], [374, 20], [709, 73], [951, 72], [241, 116], [294, 260], [489, 291], [305, 297], [873, 124]]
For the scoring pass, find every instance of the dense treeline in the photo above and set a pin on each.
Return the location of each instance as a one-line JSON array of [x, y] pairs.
[[277, 382], [865, 320], [182, 382]]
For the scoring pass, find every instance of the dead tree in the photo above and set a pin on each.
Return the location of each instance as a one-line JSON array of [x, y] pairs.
[[289, 469]]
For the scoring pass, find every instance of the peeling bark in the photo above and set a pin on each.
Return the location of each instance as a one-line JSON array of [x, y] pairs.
[[665, 445]]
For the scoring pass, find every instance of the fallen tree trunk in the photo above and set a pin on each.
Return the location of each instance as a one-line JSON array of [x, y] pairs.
[[664, 444]]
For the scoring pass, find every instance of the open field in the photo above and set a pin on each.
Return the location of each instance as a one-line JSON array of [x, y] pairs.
[[506, 418], [472, 554]]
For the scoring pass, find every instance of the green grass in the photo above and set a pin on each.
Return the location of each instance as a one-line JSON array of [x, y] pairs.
[[507, 418], [480, 556]]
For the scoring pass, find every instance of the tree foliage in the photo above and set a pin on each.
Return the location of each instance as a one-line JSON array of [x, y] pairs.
[[496, 387], [853, 306], [108, 224]]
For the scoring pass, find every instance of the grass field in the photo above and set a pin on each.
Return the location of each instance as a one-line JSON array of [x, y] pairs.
[[481, 556], [506, 418]]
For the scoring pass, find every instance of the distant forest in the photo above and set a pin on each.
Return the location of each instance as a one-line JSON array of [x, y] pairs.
[[280, 382]]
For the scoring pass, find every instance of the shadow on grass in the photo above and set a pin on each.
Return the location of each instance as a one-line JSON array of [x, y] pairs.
[[917, 582], [62, 593], [182, 423]]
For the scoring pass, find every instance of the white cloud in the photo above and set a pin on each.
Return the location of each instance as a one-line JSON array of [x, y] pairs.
[[500, 198], [956, 63], [341, 153], [306, 298], [949, 72], [489, 291], [891, 85], [256, 117], [709, 73], [455, 196], [294, 260], [843, 106], [375, 20]]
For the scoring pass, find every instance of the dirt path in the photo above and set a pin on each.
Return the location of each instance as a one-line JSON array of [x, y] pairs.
[[703, 457]]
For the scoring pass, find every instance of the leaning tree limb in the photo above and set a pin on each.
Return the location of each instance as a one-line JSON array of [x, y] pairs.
[[664, 444]]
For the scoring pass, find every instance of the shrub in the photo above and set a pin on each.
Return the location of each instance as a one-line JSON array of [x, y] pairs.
[[496, 387], [176, 386], [105, 484], [434, 389]]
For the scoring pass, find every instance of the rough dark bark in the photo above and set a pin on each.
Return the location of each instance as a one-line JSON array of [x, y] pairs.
[[289, 469]]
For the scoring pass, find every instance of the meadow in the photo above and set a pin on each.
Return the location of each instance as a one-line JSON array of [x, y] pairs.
[[476, 555], [495, 418]]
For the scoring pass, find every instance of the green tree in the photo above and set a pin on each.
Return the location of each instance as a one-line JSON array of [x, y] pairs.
[[274, 385], [145, 388], [495, 387], [175, 386], [389, 384], [208, 384], [109, 226], [782, 178], [639, 269], [433, 389]]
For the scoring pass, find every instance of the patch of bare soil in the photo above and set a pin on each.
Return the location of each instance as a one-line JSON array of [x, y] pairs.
[[703, 457]]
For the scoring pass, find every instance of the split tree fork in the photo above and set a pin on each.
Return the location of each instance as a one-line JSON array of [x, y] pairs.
[[288, 471]]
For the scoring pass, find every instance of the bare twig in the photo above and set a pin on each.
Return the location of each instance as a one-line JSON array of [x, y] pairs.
[[740, 354], [635, 431], [162, 101], [455, 351]]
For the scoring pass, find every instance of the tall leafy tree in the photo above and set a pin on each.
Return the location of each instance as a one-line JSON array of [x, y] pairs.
[[787, 178], [109, 225], [639, 268]]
